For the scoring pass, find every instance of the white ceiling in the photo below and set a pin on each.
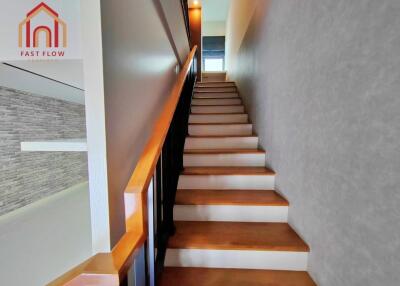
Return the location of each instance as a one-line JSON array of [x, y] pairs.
[[215, 10], [29, 77], [66, 71]]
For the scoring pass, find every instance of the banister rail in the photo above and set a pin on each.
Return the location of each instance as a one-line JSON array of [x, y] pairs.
[[111, 268]]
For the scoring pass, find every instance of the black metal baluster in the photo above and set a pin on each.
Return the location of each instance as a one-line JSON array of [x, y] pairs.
[[169, 167]]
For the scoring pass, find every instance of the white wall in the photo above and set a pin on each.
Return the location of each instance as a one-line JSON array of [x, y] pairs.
[[139, 70], [215, 10], [43, 240], [129, 70], [95, 125], [239, 16], [213, 28], [176, 23]]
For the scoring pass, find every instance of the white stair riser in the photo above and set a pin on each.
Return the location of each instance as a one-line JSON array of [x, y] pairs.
[[222, 143], [215, 95], [212, 101], [209, 258], [221, 130], [218, 109], [215, 89], [219, 118], [226, 182], [230, 213], [224, 160]]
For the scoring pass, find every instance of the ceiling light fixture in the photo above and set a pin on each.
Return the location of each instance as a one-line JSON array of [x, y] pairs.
[[195, 2]]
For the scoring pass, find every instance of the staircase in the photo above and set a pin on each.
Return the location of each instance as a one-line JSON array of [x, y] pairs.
[[231, 226]]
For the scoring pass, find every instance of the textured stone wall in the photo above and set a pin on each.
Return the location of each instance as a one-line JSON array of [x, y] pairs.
[[321, 79], [26, 177]]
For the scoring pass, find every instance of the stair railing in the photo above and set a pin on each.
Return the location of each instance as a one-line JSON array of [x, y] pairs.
[[149, 196]]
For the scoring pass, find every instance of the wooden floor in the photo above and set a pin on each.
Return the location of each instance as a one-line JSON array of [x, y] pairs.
[[224, 151], [177, 276], [230, 197], [221, 136], [236, 236], [227, 171]]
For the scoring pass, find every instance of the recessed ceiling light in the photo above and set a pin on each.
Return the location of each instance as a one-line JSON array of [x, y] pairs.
[[195, 2]]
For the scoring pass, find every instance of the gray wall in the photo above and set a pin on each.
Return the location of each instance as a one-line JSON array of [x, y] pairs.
[[321, 80], [26, 177], [140, 59]]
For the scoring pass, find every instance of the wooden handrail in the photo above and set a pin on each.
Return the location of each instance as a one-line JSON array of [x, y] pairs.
[[109, 268]]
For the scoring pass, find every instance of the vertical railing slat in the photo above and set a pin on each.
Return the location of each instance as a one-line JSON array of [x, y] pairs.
[[161, 195]]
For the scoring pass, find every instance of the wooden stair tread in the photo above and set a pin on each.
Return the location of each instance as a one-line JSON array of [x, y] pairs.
[[219, 105], [217, 97], [202, 113], [217, 81], [222, 123], [230, 197], [229, 85], [219, 84], [217, 88], [212, 105], [220, 91], [216, 85], [223, 151], [260, 236], [214, 97], [227, 171], [221, 136], [190, 276]]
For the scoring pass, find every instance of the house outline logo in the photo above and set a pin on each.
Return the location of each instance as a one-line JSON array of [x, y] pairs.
[[52, 33]]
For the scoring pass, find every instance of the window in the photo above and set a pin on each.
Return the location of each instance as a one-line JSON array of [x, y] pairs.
[[211, 64], [214, 53]]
